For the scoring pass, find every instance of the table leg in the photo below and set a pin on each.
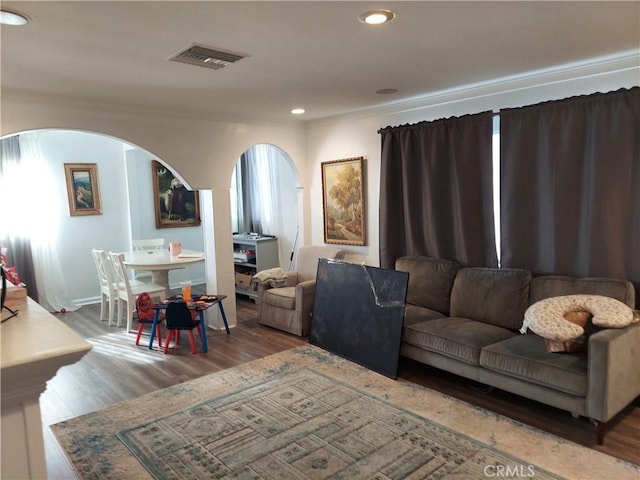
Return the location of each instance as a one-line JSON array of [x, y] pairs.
[[203, 332], [224, 317], [153, 328]]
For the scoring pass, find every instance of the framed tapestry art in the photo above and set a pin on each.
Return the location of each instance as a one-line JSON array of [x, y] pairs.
[[82, 189], [343, 201], [175, 205]]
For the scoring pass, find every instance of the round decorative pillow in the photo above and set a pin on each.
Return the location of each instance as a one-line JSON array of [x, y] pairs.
[[547, 317]]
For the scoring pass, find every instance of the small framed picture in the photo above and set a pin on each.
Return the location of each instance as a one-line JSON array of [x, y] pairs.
[[175, 205], [343, 201], [83, 189]]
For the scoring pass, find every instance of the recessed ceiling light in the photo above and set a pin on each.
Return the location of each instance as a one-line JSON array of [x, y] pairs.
[[11, 18], [386, 91], [297, 111], [376, 17]]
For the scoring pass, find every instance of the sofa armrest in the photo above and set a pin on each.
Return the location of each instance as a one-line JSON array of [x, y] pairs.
[[614, 375]]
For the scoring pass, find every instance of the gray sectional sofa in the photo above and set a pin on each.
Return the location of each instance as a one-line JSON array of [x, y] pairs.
[[466, 321]]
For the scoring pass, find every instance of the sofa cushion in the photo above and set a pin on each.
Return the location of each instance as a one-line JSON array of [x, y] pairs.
[[559, 285], [458, 338], [430, 281], [284, 297], [414, 314], [498, 296], [525, 357]]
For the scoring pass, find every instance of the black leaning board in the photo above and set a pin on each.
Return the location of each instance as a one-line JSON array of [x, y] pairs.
[[358, 314]]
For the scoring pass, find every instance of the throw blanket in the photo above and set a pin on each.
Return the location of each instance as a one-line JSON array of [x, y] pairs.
[[273, 277]]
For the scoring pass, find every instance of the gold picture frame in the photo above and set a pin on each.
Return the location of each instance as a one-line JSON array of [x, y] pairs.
[[174, 204], [343, 201], [83, 190]]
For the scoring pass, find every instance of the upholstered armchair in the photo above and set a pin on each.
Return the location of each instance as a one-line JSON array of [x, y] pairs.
[[289, 308]]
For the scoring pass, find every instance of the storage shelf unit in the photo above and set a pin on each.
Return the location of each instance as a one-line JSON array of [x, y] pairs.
[[264, 255]]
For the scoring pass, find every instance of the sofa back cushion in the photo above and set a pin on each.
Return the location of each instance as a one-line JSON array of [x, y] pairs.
[[558, 285], [430, 281], [498, 296]]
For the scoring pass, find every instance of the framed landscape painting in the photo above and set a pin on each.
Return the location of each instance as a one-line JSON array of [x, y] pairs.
[[174, 204], [83, 190], [343, 201]]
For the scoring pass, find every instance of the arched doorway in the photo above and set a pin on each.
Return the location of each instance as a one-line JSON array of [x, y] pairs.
[[125, 186], [265, 199]]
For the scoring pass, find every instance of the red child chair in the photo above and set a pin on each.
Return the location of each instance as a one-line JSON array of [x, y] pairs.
[[145, 311]]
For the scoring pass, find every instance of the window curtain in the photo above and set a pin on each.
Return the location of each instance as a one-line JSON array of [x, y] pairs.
[[255, 192], [436, 193], [570, 176], [31, 200], [18, 246], [242, 193]]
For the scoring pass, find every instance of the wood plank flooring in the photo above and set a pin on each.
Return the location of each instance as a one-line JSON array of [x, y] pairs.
[[116, 370]]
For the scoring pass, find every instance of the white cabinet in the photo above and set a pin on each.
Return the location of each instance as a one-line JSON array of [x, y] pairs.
[[35, 344], [252, 254]]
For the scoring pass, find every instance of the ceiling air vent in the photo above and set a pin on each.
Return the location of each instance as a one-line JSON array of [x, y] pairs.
[[206, 57]]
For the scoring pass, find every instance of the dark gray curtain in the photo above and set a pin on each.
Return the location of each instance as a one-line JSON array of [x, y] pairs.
[[570, 193], [18, 247], [436, 195], [246, 175]]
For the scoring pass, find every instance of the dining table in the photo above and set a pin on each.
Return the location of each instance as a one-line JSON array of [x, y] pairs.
[[160, 262]]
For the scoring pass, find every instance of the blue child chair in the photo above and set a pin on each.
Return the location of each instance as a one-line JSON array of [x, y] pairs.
[[179, 317]]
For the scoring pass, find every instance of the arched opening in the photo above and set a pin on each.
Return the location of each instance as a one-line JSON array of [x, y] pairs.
[[265, 211], [64, 242]]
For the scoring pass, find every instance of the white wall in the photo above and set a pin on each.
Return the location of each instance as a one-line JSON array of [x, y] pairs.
[[77, 235]]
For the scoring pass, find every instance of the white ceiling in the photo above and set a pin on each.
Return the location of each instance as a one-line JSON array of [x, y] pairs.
[[299, 53]]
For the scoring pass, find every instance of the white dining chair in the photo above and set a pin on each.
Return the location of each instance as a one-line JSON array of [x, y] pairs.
[[128, 290], [146, 244], [108, 286]]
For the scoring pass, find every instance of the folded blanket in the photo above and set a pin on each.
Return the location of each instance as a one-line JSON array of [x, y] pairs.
[[273, 277]]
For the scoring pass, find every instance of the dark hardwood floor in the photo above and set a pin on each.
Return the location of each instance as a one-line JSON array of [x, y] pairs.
[[116, 370]]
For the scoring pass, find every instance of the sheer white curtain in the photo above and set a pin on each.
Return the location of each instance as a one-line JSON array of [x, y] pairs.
[[31, 201]]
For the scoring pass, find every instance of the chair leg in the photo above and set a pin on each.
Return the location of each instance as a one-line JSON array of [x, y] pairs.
[[129, 316], [112, 306], [159, 334], [119, 312], [140, 327], [167, 340], [103, 304], [192, 341]]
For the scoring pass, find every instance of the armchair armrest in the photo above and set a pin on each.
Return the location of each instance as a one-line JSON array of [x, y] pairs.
[[292, 279], [305, 293], [613, 375]]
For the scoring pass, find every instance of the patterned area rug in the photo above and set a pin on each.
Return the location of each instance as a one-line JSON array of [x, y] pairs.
[[308, 414]]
